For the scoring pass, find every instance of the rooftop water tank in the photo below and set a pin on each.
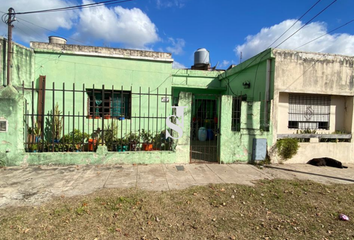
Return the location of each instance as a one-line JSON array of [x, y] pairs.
[[57, 40], [201, 57]]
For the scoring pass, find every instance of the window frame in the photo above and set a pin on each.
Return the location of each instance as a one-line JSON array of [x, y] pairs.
[[309, 109], [236, 112], [106, 106]]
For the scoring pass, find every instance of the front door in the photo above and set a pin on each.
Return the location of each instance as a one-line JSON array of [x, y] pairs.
[[205, 129]]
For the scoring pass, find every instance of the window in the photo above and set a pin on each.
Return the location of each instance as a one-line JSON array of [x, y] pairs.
[[307, 111], [109, 102], [236, 114], [3, 125]]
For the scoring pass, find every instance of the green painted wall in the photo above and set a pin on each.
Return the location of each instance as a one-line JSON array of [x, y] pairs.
[[104, 157], [186, 78], [256, 72], [22, 64], [181, 153], [147, 76], [11, 109], [237, 146]]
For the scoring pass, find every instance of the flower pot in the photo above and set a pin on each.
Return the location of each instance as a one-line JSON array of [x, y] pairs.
[[97, 117], [147, 146], [89, 117], [91, 144], [107, 117], [132, 146], [122, 148]]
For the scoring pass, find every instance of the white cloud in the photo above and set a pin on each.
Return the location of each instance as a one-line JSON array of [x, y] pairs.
[[168, 4], [25, 31], [335, 43], [132, 27], [177, 65], [224, 64], [177, 46]]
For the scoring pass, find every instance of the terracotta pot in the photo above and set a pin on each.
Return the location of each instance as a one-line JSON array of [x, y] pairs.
[[91, 144], [147, 146]]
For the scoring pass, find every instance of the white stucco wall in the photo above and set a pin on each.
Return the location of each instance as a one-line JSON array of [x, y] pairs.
[[315, 73]]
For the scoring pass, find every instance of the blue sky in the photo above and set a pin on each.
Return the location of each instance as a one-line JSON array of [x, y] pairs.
[[225, 28]]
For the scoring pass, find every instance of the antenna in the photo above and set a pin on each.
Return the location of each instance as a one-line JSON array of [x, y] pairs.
[[241, 57]]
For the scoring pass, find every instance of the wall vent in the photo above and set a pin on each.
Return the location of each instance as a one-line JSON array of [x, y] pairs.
[[3, 125]]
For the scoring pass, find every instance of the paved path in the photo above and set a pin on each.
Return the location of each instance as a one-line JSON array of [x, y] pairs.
[[36, 184]]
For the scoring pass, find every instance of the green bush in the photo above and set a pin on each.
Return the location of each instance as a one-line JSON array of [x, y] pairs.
[[75, 137], [287, 147]]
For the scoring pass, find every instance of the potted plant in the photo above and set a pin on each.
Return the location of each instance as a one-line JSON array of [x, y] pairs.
[[157, 141], [34, 137], [122, 144], [147, 138], [109, 137], [34, 147], [133, 140], [74, 140], [161, 143], [107, 116], [35, 132], [57, 123]]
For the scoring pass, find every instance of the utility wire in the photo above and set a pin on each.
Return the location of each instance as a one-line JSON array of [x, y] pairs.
[[47, 29], [294, 23], [308, 22], [76, 7], [326, 34], [255, 79]]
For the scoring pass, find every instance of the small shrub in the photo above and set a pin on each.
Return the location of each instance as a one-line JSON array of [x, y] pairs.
[[287, 147], [305, 131], [335, 139], [75, 137]]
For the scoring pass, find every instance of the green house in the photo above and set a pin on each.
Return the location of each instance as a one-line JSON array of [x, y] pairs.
[[73, 104]]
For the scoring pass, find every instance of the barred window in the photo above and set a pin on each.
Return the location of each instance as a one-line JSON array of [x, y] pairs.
[[236, 114], [108, 102], [309, 111]]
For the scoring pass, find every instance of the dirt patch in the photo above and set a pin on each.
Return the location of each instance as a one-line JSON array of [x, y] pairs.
[[272, 209]]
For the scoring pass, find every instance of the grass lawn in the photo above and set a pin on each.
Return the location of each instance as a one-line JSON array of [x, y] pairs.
[[272, 209]]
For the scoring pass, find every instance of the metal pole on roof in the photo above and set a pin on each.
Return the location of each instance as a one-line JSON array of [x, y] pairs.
[[11, 18]]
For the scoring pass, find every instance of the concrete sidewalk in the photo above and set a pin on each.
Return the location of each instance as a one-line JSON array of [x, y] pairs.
[[36, 184]]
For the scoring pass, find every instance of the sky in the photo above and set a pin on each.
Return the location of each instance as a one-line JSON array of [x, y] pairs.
[[227, 29]]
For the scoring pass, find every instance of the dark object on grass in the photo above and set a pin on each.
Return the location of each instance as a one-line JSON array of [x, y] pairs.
[[325, 161]]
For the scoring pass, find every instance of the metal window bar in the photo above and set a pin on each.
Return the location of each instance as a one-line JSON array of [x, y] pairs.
[[236, 114], [309, 111], [93, 130]]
